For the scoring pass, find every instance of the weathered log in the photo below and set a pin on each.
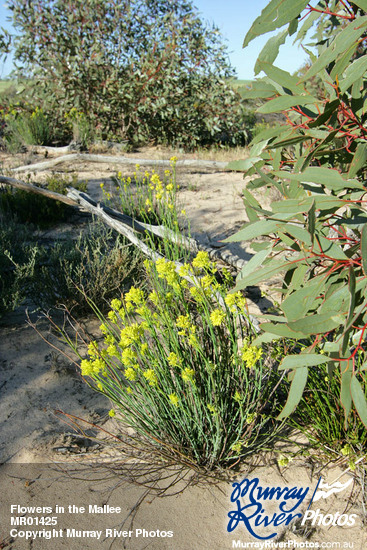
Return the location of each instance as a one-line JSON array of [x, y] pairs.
[[38, 190], [82, 200], [75, 146], [127, 227], [111, 159]]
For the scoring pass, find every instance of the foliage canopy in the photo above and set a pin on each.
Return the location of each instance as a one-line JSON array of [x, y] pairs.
[[317, 162], [143, 69]]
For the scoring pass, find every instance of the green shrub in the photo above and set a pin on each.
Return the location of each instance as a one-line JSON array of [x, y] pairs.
[[18, 253], [152, 199], [99, 264], [24, 128], [180, 368]]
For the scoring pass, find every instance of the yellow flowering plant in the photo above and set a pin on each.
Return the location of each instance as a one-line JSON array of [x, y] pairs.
[[151, 198], [180, 367]]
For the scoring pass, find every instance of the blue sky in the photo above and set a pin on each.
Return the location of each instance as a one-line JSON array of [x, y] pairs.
[[234, 18]]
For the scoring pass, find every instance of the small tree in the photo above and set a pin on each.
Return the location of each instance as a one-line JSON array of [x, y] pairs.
[[318, 162], [140, 69]]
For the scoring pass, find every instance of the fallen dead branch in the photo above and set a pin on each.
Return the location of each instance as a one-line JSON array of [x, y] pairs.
[[124, 224], [50, 151], [38, 190], [111, 159]]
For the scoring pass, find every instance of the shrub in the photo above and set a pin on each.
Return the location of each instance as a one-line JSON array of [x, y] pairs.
[[181, 370], [164, 81], [317, 161], [152, 199], [18, 254], [99, 264], [24, 128]]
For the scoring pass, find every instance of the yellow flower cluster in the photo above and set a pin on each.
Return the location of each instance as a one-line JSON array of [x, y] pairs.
[[183, 322], [167, 270], [212, 409], [151, 377], [174, 360], [135, 296], [235, 302], [130, 374], [92, 368], [217, 317], [251, 355], [202, 261], [174, 399], [131, 334], [237, 447], [187, 375]]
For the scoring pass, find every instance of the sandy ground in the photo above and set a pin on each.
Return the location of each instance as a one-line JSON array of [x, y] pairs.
[[44, 463]]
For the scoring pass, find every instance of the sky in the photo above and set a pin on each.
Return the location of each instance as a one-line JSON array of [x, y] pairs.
[[234, 18]]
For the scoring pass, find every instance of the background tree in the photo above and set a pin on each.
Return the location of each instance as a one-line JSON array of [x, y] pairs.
[[138, 69]]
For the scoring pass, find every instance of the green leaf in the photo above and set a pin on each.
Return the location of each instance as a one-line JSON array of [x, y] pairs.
[[353, 73], [253, 230], [243, 165], [297, 304], [256, 89], [309, 21], [284, 79], [329, 248], [262, 274], [328, 177], [352, 303], [364, 249], [298, 233], [268, 180], [345, 395], [295, 392], [276, 14], [359, 399], [254, 263], [337, 299], [359, 158], [343, 41], [330, 108], [311, 221], [266, 135], [281, 329], [361, 4], [300, 138], [299, 206], [270, 51], [318, 323], [302, 360], [265, 338], [285, 102], [343, 62]]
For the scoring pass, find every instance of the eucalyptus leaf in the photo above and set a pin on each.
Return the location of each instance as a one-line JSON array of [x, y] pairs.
[[295, 392]]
